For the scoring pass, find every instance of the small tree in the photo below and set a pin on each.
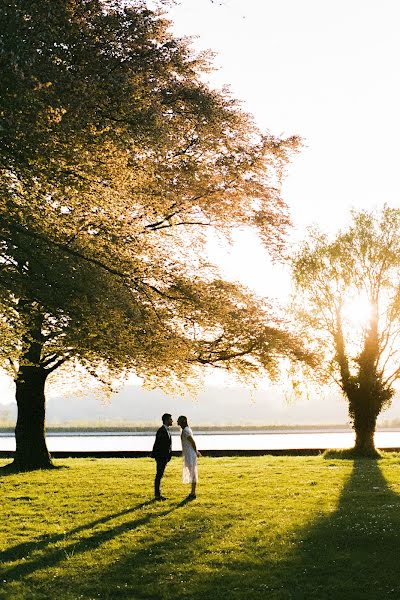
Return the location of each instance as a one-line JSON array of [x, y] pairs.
[[115, 160], [349, 290]]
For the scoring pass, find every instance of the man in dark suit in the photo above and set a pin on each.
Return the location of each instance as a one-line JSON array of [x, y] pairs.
[[162, 452]]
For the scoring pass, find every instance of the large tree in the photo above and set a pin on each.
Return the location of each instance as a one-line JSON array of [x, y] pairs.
[[349, 292], [115, 161]]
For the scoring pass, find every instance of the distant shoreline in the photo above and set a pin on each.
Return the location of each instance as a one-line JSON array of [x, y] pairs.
[[143, 429], [204, 428]]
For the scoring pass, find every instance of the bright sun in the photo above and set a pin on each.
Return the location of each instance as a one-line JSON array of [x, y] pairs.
[[357, 311]]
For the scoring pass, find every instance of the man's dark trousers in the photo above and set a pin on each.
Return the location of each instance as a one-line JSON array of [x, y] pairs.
[[162, 451], [161, 464]]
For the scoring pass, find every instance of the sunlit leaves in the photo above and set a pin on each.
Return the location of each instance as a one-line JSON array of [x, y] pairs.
[[115, 160]]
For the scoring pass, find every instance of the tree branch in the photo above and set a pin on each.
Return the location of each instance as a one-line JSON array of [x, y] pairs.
[[67, 249], [57, 364]]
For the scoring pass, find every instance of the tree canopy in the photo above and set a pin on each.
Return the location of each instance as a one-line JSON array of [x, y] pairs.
[[116, 159], [348, 289]]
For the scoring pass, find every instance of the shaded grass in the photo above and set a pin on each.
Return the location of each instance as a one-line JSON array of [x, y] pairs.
[[262, 527], [352, 453]]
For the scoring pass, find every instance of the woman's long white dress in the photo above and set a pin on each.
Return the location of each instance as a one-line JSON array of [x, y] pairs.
[[189, 473]]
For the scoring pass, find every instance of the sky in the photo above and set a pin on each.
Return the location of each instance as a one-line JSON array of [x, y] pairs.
[[326, 71]]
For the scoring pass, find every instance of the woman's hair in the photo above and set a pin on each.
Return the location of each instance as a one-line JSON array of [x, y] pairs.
[[182, 418]]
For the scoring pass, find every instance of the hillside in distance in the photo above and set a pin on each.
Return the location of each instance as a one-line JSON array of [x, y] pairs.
[[214, 407]]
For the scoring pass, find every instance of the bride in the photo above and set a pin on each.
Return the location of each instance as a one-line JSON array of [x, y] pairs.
[[189, 455]]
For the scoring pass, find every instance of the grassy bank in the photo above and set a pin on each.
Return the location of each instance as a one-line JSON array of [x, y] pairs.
[[266, 527]]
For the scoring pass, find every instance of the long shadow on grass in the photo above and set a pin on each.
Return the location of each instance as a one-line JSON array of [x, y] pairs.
[[49, 557], [148, 569], [22, 550], [350, 554]]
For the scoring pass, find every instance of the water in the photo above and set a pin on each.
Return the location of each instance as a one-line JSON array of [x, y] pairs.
[[279, 440]]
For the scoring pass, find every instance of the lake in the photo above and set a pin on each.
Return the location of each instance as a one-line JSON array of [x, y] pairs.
[[233, 440]]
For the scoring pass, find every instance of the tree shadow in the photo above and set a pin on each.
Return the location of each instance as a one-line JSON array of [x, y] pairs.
[[350, 554], [10, 469], [148, 570], [49, 557], [20, 551]]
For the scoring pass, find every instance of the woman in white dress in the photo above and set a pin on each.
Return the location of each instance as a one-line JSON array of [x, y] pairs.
[[189, 455]]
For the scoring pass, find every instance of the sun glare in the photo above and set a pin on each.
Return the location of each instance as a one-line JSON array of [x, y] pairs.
[[357, 311]]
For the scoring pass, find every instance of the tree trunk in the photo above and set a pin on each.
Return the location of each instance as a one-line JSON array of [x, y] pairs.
[[364, 425], [365, 443], [365, 391], [31, 449]]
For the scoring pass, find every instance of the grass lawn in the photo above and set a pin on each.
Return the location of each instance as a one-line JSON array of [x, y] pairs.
[[261, 527]]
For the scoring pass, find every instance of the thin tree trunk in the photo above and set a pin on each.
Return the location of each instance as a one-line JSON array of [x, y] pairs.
[[31, 449]]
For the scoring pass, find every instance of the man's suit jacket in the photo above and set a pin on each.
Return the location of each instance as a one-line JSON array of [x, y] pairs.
[[162, 449]]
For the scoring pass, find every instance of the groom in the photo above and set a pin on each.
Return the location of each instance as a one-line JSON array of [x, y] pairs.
[[162, 452]]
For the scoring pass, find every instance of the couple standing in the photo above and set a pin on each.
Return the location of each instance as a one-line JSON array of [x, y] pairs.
[[162, 452]]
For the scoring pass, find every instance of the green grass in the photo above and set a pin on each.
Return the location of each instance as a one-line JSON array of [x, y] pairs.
[[265, 527]]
